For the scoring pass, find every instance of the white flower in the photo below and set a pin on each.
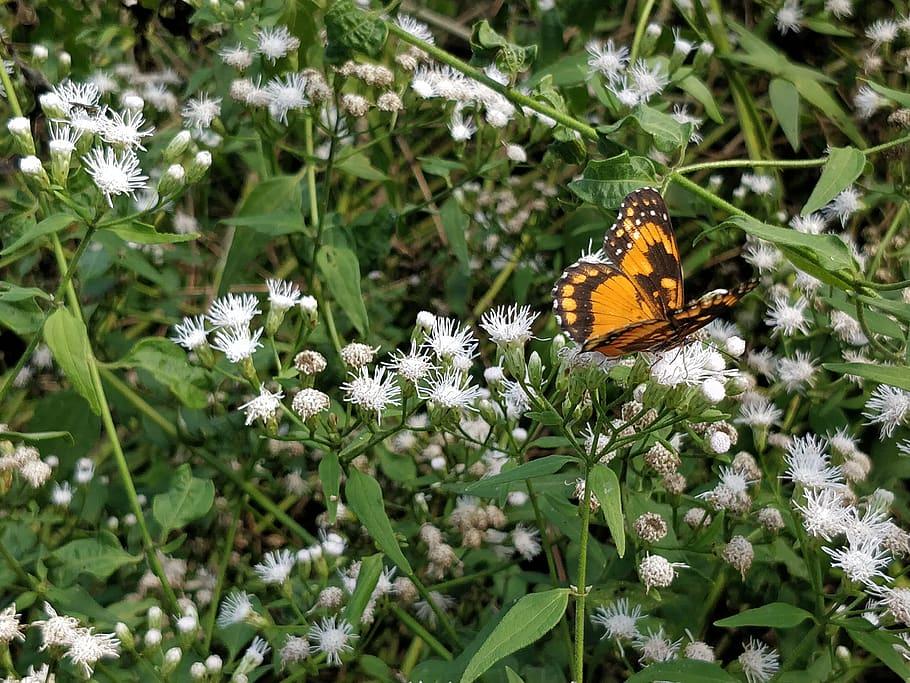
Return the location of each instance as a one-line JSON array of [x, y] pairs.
[[888, 407], [526, 541], [607, 58], [254, 655], [275, 567], [759, 413], [763, 255], [759, 183], [626, 94], [655, 646], [282, 294], [62, 494], [656, 571], [416, 28], [460, 128], [233, 310], [237, 343], [190, 333], [356, 355], [619, 619], [236, 56], [56, 630], [866, 102], [509, 325], [84, 471], [789, 18], [332, 636], [114, 173], [294, 651], [451, 389], [839, 8], [808, 465], [235, 608], [516, 153], [896, 601], [844, 205], [425, 612], [681, 46], [787, 318], [373, 394], [411, 366], [882, 32], [275, 42], [81, 95], [287, 95], [681, 115], [846, 328], [124, 130], [199, 112], [264, 407], [861, 561], [813, 224], [449, 340], [86, 648], [760, 662], [798, 372], [310, 402], [648, 81], [689, 365], [10, 628]]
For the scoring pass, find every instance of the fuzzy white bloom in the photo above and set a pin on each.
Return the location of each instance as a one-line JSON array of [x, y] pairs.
[[786, 318], [509, 325], [124, 130], [233, 311], [619, 619], [764, 256], [236, 56], [789, 18], [235, 608], [808, 465], [656, 571], [276, 567], [416, 28], [287, 94], [606, 58], [888, 407], [282, 294], [861, 561], [114, 173], [526, 541], [450, 389], [760, 662], [264, 407], [839, 8], [190, 333], [310, 402], [655, 646], [199, 112], [449, 340], [275, 42], [294, 650], [882, 32], [688, 365], [372, 393], [759, 412], [798, 372], [866, 102], [843, 206], [237, 344], [460, 128], [62, 494], [86, 648], [10, 628], [425, 612], [332, 636], [648, 81], [759, 183]]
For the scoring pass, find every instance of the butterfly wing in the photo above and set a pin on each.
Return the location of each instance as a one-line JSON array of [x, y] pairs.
[[594, 301], [641, 245], [650, 335], [706, 308]]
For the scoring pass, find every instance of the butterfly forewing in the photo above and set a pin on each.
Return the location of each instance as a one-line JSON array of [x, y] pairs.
[[706, 308], [594, 300], [641, 244]]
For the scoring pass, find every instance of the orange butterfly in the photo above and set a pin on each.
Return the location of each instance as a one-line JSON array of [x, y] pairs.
[[631, 298]]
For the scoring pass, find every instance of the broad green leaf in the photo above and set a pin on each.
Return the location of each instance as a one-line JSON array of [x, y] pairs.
[[359, 166], [820, 97], [330, 476], [167, 363], [825, 27], [367, 578], [20, 320], [49, 225], [669, 135], [702, 93], [682, 671], [897, 308], [455, 224], [14, 293], [902, 97], [775, 614], [364, 496], [143, 233], [67, 339], [100, 556], [512, 677], [188, 499], [439, 166], [341, 270], [785, 103], [876, 322], [892, 375], [605, 485], [488, 45], [538, 467], [844, 165], [528, 620], [350, 29], [883, 645], [606, 182]]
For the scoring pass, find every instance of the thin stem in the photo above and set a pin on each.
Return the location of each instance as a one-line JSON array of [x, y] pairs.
[[640, 29], [507, 92], [707, 196], [581, 591], [10, 92], [896, 224], [222, 571], [418, 630]]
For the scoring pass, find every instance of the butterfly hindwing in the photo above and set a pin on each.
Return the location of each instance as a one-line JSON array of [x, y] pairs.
[[649, 335], [641, 245], [706, 308], [594, 300]]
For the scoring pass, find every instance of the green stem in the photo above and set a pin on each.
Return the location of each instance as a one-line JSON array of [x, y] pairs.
[[640, 29], [478, 75], [222, 571], [896, 224], [707, 196], [581, 592], [151, 552], [10, 92], [418, 630]]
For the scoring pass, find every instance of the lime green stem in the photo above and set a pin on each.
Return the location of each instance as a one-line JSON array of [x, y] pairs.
[[581, 592], [640, 29]]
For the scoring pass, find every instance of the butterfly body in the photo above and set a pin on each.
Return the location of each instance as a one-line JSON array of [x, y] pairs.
[[629, 297]]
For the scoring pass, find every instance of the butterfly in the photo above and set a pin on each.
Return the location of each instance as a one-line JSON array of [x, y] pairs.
[[629, 296]]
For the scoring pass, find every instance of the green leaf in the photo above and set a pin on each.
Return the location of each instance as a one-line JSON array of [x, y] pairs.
[[488, 45], [272, 224], [882, 645], [682, 671], [899, 96], [20, 320], [897, 308], [49, 225], [785, 103], [825, 27], [844, 165], [100, 556], [775, 614], [892, 375], [14, 293], [350, 29], [359, 166], [528, 620], [167, 363], [188, 499], [702, 93], [67, 339], [669, 135], [341, 270], [605, 485], [143, 233], [455, 224], [606, 182], [512, 677], [539, 467], [37, 436], [820, 97], [367, 578], [330, 476], [364, 497]]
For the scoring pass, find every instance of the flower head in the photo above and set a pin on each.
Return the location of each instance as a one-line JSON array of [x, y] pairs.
[[825, 512], [619, 619], [237, 343], [888, 407], [509, 325], [190, 333], [655, 646], [861, 561], [276, 567], [275, 42], [451, 389], [264, 407], [372, 393], [86, 648], [235, 608], [785, 318], [283, 294], [789, 18], [286, 95], [114, 173], [760, 662], [125, 130], [808, 465], [606, 58], [332, 636], [199, 112], [416, 28], [657, 571], [449, 340], [233, 311], [411, 366], [10, 628]]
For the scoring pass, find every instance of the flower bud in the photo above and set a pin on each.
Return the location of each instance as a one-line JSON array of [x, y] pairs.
[[213, 664], [21, 130], [172, 180], [52, 105], [177, 146], [39, 53], [31, 167], [535, 370], [702, 55], [197, 671], [65, 61], [198, 167], [133, 103], [61, 153], [122, 631], [649, 41], [309, 307], [171, 659]]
